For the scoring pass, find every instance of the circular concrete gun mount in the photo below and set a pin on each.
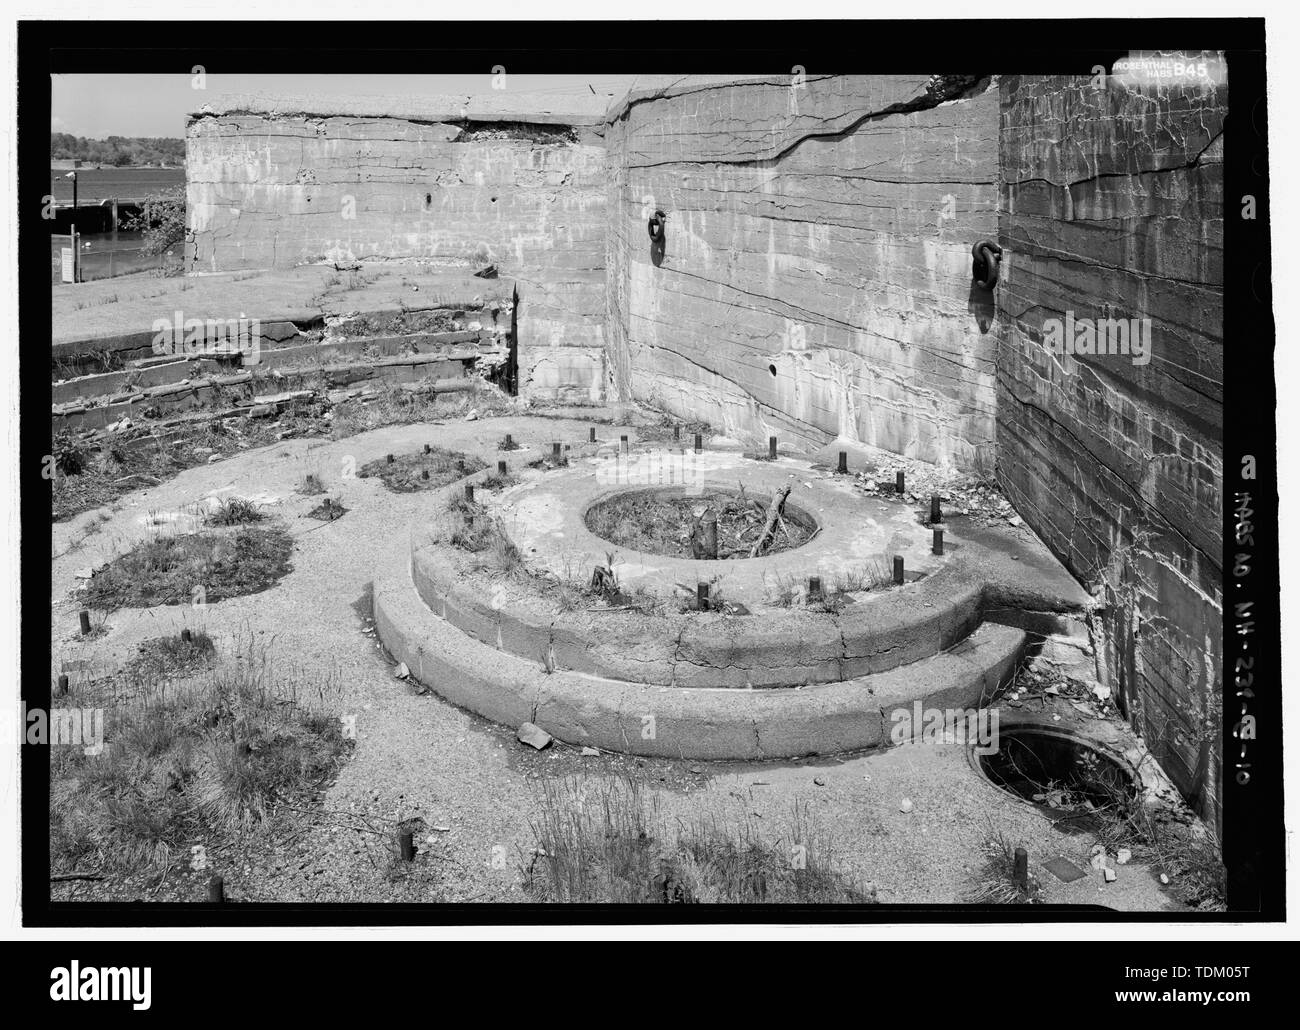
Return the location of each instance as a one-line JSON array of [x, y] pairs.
[[770, 647], [499, 650], [687, 722]]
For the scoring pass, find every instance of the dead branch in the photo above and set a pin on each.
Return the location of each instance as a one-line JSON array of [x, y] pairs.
[[769, 527]]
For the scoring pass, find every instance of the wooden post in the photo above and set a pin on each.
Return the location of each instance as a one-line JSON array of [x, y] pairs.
[[771, 448], [814, 588], [936, 515], [555, 451], [937, 546], [428, 449], [62, 689], [844, 463], [898, 482], [406, 841], [702, 596], [84, 616], [677, 432], [501, 468], [592, 437], [187, 635], [510, 441], [1022, 870], [424, 473], [216, 890], [699, 442], [898, 569], [710, 526], [469, 492], [389, 459]]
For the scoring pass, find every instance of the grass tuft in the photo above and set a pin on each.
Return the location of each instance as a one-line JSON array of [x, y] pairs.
[[234, 511], [166, 570], [208, 760], [613, 845]]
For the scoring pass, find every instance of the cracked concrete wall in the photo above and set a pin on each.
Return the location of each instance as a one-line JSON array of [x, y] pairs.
[[1112, 207], [272, 189], [816, 279]]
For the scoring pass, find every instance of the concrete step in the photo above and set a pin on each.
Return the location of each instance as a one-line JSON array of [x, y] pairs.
[[687, 722], [780, 648]]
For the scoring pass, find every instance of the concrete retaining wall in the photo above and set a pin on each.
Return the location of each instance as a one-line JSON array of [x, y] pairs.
[[1117, 464], [816, 275], [277, 183]]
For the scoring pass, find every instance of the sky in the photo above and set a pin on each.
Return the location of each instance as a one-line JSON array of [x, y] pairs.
[[96, 106]]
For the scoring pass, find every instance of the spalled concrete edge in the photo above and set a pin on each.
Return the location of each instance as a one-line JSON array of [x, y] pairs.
[[576, 108], [691, 723], [782, 649]]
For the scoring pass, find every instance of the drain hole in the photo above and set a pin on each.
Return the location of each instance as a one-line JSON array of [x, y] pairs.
[[1059, 771]]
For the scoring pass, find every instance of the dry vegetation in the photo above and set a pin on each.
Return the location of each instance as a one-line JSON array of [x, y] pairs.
[[838, 591], [91, 471], [662, 523], [428, 470], [201, 760], [612, 844], [167, 569]]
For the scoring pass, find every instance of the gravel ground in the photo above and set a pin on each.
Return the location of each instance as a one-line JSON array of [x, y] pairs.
[[466, 786]]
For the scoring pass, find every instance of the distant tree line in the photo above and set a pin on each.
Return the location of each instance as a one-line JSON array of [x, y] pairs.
[[120, 151]]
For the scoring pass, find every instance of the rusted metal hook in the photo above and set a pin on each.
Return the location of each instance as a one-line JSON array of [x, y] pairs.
[[656, 226], [984, 267]]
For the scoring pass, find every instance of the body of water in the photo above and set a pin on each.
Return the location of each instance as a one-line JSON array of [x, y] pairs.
[[96, 184]]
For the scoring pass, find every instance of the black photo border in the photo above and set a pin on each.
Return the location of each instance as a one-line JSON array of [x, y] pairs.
[[1253, 813]]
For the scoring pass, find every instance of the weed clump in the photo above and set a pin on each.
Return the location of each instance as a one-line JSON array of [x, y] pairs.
[[213, 565], [208, 759], [426, 470], [616, 847], [234, 511]]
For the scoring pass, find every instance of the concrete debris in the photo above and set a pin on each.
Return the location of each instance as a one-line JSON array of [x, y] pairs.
[[534, 736], [589, 752], [1110, 874], [401, 672], [905, 805], [1123, 856]]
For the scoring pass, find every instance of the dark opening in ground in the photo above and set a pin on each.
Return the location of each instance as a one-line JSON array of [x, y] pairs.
[[668, 522], [1058, 770]]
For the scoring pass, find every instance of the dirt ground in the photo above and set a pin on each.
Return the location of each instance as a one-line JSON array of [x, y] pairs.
[[913, 821], [656, 524]]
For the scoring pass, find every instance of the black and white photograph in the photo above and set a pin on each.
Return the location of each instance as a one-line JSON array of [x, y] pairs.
[[610, 474]]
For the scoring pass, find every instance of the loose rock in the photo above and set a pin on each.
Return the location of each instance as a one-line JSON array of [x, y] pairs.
[[534, 736]]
